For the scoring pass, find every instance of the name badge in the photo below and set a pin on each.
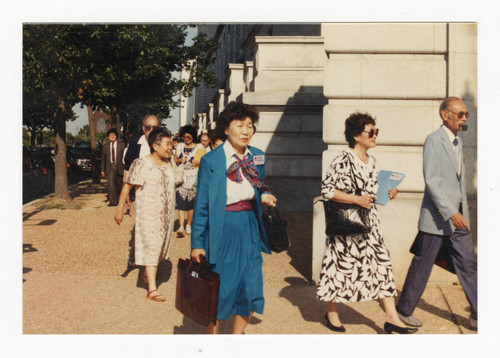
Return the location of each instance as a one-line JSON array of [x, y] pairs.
[[258, 159]]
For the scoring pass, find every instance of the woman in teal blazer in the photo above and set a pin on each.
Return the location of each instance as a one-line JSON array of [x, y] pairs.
[[227, 224]]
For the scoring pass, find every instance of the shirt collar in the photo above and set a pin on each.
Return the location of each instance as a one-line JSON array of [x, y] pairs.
[[449, 133], [142, 140], [230, 151]]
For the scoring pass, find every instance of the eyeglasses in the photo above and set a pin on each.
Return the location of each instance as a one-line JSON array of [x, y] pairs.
[[150, 128], [460, 114], [372, 132]]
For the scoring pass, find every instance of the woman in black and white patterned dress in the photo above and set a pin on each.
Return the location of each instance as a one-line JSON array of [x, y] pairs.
[[357, 267]]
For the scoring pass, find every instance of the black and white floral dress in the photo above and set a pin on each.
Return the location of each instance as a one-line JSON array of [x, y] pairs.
[[355, 267]]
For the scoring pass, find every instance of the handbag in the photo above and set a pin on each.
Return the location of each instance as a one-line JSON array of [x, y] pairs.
[[346, 219], [276, 231], [197, 291]]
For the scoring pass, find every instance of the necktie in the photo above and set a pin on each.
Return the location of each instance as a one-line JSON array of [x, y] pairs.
[[457, 152], [249, 171], [112, 152]]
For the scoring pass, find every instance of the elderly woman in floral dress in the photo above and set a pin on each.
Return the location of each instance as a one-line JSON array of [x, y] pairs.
[[153, 178]]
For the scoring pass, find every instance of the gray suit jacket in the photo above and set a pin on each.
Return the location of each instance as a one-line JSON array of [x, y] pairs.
[[106, 157], [444, 186]]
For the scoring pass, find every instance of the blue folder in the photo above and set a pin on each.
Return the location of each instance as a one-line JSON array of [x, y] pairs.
[[387, 180]]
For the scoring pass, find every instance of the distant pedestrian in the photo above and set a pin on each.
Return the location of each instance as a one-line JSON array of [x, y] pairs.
[[185, 193], [112, 165], [215, 141], [153, 178], [204, 140], [444, 215], [357, 267]]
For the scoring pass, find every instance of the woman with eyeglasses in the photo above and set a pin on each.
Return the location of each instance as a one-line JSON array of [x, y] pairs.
[[185, 193], [357, 267]]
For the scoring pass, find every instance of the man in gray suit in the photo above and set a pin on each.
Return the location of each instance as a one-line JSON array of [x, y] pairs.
[[112, 165], [444, 217]]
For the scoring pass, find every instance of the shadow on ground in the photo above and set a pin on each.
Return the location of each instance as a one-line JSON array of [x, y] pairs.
[[86, 188], [163, 274], [299, 228], [226, 327], [26, 249], [302, 294]]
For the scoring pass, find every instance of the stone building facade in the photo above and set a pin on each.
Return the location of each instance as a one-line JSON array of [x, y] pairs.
[[307, 79]]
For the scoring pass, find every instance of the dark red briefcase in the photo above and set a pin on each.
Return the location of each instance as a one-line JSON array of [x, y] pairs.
[[197, 291]]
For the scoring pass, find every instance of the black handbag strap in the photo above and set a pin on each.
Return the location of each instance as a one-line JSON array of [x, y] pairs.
[[270, 211]]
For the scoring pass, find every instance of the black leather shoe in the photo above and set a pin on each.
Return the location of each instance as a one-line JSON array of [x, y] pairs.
[[390, 328], [340, 329]]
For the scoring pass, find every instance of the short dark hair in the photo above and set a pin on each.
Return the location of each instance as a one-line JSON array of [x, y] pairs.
[[355, 125], [156, 136], [112, 130], [234, 111], [189, 129]]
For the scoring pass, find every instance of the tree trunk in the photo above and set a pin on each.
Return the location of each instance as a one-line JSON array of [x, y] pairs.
[[96, 172], [91, 128], [61, 175]]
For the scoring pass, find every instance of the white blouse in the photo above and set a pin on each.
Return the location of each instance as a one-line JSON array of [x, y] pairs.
[[237, 191]]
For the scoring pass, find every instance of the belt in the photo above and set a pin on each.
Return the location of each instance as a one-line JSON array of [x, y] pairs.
[[244, 205]]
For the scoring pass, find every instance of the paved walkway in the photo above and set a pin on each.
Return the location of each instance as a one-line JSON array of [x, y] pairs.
[[75, 281]]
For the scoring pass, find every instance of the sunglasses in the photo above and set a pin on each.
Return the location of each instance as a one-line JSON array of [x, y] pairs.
[[150, 128], [460, 114], [372, 132]]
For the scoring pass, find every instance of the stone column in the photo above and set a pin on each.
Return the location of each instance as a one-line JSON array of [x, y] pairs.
[[211, 117], [248, 76], [235, 82], [222, 101]]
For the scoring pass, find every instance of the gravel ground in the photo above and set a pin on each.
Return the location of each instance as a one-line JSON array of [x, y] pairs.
[[75, 281]]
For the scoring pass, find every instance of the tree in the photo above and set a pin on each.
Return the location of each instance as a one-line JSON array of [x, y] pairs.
[[48, 75], [129, 66]]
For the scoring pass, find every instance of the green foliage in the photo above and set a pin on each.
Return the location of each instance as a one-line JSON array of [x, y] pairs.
[[84, 134], [130, 66]]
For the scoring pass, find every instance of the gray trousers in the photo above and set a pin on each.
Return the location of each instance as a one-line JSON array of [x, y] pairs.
[[461, 250]]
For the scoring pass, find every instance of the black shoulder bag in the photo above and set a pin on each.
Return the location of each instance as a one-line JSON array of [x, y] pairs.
[[346, 219]]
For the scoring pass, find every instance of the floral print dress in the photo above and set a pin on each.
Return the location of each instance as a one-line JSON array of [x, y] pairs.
[[155, 207], [355, 267]]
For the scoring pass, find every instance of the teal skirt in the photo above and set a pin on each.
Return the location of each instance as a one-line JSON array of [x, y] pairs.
[[239, 265]]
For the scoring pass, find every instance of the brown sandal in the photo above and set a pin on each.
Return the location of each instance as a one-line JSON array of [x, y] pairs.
[[157, 298]]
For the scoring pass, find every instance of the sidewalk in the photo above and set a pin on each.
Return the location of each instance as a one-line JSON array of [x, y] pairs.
[[76, 282]]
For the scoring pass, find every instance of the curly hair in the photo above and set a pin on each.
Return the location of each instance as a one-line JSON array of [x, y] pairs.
[[355, 125], [156, 136], [234, 111], [189, 129]]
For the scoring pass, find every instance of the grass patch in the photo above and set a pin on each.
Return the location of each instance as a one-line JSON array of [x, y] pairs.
[[61, 204]]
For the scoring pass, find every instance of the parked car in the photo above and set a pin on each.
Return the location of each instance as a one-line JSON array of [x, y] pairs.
[[40, 159], [82, 155]]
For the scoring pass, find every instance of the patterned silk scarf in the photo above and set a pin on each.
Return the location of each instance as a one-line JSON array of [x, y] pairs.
[[249, 171]]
